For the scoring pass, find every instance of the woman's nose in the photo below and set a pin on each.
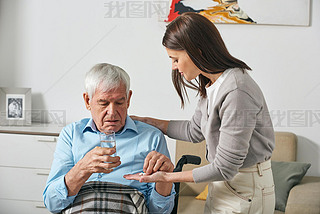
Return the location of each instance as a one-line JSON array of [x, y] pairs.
[[174, 66]]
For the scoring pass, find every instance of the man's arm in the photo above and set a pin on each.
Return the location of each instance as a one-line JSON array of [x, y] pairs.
[[93, 162], [55, 195], [154, 162], [60, 192], [161, 198]]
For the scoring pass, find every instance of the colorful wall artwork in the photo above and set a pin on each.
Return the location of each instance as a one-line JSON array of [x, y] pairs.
[[276, 12]]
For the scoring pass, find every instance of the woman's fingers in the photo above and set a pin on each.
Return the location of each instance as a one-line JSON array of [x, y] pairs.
[[133, 176], [133, 117], [141, 177]]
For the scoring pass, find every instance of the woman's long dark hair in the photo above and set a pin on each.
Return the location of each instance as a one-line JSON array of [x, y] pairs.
[[202, 41]]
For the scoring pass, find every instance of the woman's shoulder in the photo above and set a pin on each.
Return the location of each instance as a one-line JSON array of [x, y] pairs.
[[239, 79]]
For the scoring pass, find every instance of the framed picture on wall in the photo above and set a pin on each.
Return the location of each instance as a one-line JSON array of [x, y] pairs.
[[270, 12], [15, 106]]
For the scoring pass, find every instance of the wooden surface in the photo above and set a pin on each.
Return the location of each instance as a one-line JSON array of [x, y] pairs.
[[34, 129]]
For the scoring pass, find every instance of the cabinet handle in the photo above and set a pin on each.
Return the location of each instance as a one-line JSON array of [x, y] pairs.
[[47, 139], [39, 205], [43, 172]]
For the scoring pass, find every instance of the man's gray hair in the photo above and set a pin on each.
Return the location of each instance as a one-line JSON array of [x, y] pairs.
[[106, 77]]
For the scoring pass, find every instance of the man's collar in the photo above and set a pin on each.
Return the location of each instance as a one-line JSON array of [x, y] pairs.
[[90, 126], [129, 125]]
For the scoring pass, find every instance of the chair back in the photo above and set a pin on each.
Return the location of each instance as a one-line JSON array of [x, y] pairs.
[[188, 148], [285, 147]]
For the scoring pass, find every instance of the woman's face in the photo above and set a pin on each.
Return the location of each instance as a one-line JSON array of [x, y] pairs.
[[182, 62]]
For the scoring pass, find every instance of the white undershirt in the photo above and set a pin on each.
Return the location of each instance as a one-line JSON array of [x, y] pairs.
[[212, 90]]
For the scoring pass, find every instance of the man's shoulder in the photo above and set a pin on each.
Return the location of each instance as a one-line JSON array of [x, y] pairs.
[[76, 126]]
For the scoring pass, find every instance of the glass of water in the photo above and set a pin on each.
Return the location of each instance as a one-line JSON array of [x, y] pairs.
[[108, 140]]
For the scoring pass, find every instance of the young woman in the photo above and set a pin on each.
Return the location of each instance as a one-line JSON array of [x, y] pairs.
[[231, 116]]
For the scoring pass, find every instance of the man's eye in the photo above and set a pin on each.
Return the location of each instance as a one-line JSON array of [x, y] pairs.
[[120, 103]]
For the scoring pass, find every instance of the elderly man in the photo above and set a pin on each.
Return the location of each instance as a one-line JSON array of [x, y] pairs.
[[89, 179]]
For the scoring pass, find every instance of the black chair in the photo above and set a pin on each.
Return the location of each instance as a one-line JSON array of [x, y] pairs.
[[185, 159]]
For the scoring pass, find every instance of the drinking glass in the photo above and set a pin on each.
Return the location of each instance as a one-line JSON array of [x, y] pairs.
[[108, 140]]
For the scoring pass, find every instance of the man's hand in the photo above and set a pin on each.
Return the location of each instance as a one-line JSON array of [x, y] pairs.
[[156, 161], [98, 160], [156, 165]]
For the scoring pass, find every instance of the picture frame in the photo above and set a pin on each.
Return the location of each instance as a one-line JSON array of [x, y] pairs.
[[270, 12], [15, 106]]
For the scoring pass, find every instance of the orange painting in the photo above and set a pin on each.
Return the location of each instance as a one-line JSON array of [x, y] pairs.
[[218, 11]]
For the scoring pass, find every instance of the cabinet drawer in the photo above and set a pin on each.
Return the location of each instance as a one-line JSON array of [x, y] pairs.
[[26, 150], [18, 207], [22, 184]]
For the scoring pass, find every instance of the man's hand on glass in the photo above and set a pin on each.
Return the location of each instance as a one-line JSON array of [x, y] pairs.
[[98, 160]]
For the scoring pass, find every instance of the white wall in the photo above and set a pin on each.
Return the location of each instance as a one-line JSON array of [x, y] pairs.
[[49, 45]]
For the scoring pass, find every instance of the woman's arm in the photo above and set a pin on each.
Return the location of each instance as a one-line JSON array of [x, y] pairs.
[[160, 124], [170, 177]]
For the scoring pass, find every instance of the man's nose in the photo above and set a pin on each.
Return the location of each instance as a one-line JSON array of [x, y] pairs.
[[111, 109]]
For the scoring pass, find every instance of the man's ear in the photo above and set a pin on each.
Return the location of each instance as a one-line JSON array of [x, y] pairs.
[[86, 101], [129, 98]]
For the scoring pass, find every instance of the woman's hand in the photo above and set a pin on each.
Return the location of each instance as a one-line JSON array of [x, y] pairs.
[[142, 177], [162, 177], [160, 124], [133, 117]]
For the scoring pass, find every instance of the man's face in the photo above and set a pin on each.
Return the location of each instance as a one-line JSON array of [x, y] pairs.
[[109, 109]]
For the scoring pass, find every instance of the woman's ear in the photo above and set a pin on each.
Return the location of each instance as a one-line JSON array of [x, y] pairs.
[[86, 99]]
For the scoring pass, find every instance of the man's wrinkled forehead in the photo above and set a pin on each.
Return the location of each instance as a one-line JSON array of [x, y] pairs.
[[117, 89]]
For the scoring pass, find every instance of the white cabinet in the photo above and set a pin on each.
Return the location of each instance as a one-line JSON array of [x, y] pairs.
[[18, 150], [22, 183], [25, 161], [22, 207]]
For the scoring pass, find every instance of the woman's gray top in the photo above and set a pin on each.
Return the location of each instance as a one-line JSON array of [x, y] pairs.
[[238, 130]]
